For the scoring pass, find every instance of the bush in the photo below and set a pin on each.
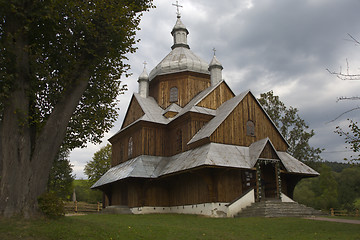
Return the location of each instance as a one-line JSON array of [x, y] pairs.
[[51, 205]]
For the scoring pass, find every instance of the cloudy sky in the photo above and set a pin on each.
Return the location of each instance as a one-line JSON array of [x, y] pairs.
[[280, 45]]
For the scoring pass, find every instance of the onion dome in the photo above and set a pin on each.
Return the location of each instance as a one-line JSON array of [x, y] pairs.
[[181, 58]]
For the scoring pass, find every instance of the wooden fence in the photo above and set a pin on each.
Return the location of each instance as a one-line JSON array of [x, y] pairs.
[[334, 212], [82, 207]]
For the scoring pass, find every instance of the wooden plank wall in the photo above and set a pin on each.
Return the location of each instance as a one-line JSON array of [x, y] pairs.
[[120, 146], [217, 97], [268, 152], [117, 153], [195, 187], [134, 112], [153, 141], [148, 139], [189, 84], [189, 126], [229, 185], [188, 188], [233, 129]]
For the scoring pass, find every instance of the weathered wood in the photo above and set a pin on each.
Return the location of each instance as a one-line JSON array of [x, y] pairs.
[[192, 187], [189, 84], [170, 114], [233, 129], [217, 97], [268, 152], [133, 113]]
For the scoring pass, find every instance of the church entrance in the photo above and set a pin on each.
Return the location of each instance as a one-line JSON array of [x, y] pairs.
[[268, 186]]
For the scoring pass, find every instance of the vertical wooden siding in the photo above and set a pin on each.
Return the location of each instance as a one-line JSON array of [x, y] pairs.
[[153, 141], [268, 152], [189, 84], [233, 129], [134, 112], [193, 187], [189, 125], [217, 97]]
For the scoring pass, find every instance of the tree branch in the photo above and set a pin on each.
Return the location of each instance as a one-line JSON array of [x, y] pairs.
[[345, 77], [353, 109], [347, 98], [353, 39]]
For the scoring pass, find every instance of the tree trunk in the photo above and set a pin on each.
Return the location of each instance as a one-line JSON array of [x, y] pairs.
[[24, 173], [25, 160]]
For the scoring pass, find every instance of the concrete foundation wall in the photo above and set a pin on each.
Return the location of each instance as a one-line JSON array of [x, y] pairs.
[[208, 209], [241, 203]]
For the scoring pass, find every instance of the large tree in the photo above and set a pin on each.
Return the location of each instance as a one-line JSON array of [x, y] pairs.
[[60, 65], [99, 164], [293, 128]]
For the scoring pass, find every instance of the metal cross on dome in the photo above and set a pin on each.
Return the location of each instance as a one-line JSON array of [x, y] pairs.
[[177, 8], [144, 64], [214, 51]]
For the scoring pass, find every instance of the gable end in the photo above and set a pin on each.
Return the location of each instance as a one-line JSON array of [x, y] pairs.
[[133, 113]]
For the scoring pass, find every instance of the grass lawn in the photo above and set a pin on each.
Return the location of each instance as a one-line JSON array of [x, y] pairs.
[[170, 226]]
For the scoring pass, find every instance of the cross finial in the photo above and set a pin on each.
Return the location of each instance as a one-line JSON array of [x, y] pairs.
[[214, 51], [177, 8], [144, 64]]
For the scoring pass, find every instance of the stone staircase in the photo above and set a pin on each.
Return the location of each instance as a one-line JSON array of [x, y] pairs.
[[276, 208], [116, 209]]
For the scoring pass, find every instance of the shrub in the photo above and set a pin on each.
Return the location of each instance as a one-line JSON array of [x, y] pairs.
[[51, 205]]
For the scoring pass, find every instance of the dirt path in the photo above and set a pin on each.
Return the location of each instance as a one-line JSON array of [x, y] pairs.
[[340, 220]]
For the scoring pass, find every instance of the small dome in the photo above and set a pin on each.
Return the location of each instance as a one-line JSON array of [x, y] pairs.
[[179, 26], [144, 75], [180, 59], [215, 63]]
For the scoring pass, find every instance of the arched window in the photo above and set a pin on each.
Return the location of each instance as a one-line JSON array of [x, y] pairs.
[[178, 141], [173, 94], [250, 128], [130, 147]]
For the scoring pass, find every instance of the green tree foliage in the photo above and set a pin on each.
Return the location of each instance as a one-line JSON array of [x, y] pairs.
[[349, 187], [331, 189], [326, 189], [337, 166], [99, 164], [60, 65], [292, 127], [85, 194], [352, 137], [320, 192], [61, 178]]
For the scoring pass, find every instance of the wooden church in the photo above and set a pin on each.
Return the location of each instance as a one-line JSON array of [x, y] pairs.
[[188, 144]]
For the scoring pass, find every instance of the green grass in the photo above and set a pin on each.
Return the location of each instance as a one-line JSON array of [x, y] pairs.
[[174, 227]]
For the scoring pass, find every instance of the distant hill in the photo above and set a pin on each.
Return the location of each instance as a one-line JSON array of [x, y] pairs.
[[337, 166]]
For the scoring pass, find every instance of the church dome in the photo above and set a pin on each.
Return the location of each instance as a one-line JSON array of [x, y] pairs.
[[181, 58]]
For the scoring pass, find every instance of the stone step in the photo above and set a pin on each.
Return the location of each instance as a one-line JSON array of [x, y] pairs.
[[276, 208]]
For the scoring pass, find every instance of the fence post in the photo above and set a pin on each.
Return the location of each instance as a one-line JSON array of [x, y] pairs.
[[357, 212], [332, 212], [98, 206], [76, 208]]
